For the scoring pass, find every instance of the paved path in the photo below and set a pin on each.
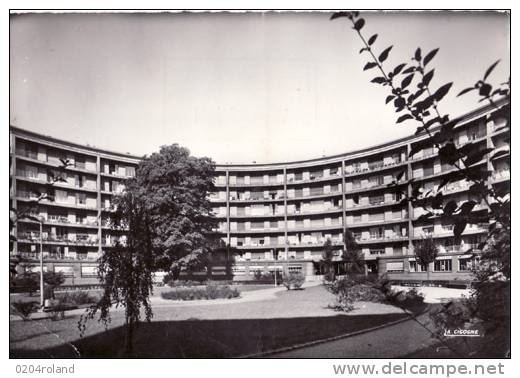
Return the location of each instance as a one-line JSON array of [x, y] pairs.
[[390, 342]]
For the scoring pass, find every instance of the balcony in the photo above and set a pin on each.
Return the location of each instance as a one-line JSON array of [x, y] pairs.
[[33, 158], [381, 239], [55, 256], [502, 175], [79, 239]]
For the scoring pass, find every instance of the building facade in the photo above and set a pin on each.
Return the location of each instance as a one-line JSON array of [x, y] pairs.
[[277, 216]]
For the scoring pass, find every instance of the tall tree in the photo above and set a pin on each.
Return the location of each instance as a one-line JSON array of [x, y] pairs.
[[326, 260], [353, 256], [426, 252], [167, 215]]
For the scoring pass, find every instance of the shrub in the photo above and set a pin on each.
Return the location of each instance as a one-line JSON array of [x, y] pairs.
[[353, 289], [53, 279], [210, 291], [329, 276], [25, 309], [412, 300], [25, 282], [77, 298], [293, 280], [267, 278]]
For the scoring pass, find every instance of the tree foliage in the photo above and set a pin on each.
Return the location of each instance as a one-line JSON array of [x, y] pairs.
[[166, 214], [415, 99], [353, 256], [426, 252]]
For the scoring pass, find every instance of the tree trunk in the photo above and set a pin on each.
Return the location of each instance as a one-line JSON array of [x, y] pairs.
[[129, 337]]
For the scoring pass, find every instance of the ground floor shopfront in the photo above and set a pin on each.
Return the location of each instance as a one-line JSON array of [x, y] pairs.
[[448, 270]]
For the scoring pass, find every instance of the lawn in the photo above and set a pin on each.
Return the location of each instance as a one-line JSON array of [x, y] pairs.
[[220, 331]]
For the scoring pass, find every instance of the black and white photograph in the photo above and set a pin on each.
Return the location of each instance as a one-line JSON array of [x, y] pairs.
[[295, 184]]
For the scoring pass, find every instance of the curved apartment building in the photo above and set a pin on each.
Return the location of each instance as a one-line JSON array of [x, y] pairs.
[[278, 216]]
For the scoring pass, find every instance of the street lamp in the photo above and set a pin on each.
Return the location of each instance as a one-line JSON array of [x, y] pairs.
[[274, 257], [41, 262]]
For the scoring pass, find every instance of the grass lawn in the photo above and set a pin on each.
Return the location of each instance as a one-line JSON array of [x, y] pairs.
[[207, 338], [224, 330]]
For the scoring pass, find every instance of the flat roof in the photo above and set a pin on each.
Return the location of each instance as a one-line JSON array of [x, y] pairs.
[[465, 117]]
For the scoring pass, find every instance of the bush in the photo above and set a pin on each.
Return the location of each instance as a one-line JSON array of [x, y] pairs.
[[28, 282], [267, 278], [411, 300], [25, 309], [293, 280], [354, 289], [53, 279], [329, 276], [210, 291], [77, 298]]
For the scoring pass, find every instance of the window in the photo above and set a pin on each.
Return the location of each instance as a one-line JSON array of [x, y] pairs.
[[79, 162], [79, 181], [396, 214], [428, 151], [67, 271], [375, 165], [396, 158], [81, 199], [378, 251], [428, 169], [415, 267], [442, 266], [375, 200], [376, 217], [355, 199], [257, 180], [427, 230], [60, 195], [316, 191], [376, 233], [392, 267], [376, 180], [465, 264], [449, 246]]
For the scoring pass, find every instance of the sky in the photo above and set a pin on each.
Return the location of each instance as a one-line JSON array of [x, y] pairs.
[[236, 87]]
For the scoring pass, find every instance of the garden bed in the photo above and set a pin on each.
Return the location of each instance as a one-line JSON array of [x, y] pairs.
[[201, 292]]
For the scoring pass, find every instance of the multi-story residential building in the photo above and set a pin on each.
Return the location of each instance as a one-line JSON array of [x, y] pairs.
[[277, 216], [74, 223]]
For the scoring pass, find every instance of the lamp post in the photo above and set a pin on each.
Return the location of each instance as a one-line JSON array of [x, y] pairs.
[[41, 264], [274, 257]]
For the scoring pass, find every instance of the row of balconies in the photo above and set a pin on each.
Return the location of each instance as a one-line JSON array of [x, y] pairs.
[[503, 174], [77, 239], [311, 177], [71, 256], [90, 166]]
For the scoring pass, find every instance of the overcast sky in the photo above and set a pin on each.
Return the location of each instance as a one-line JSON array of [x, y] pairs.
[[235, 87]]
